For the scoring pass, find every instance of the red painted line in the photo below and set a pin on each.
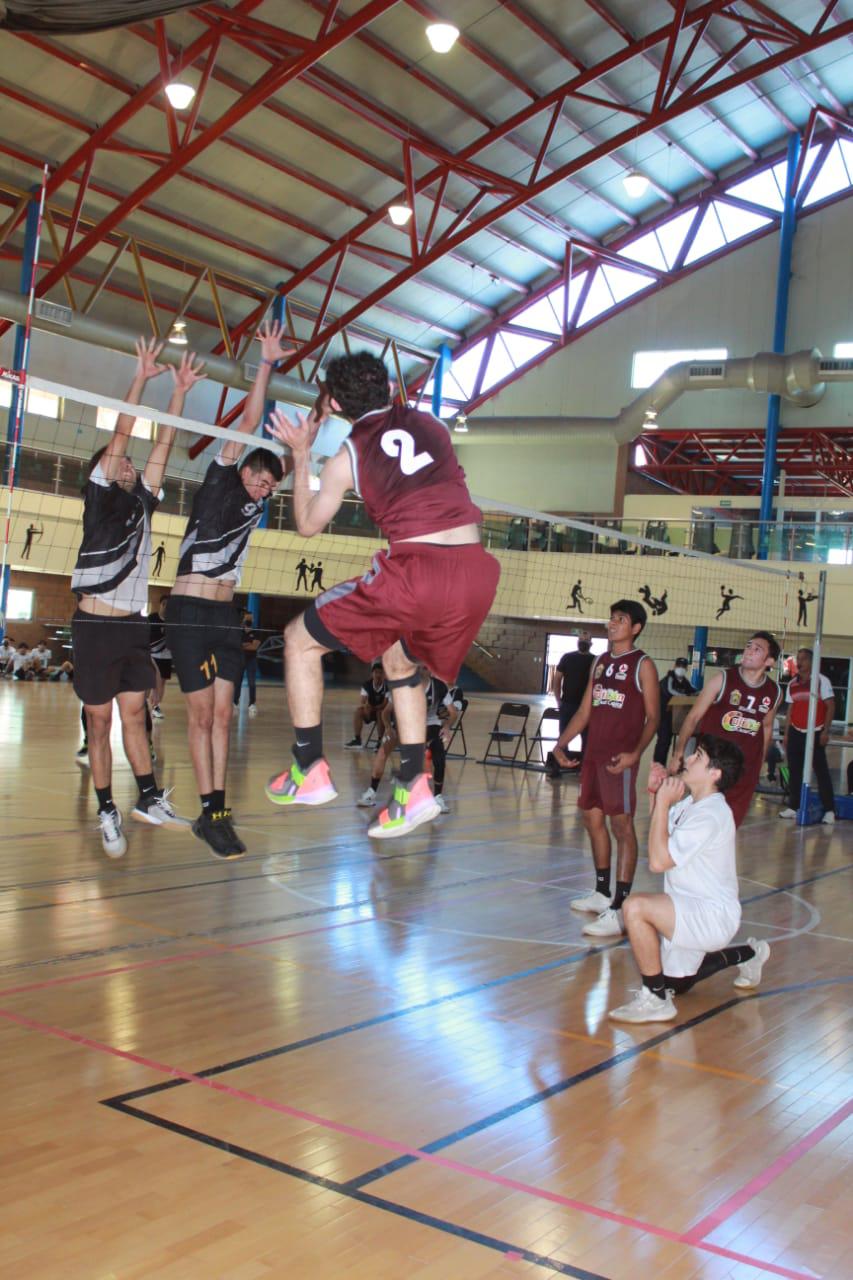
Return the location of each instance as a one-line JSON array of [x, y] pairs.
[[202, 954], [390, 1144], [773, 1171]]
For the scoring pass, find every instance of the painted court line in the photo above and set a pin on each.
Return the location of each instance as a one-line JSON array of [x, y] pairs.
[[388, 1144], [773, 1171]]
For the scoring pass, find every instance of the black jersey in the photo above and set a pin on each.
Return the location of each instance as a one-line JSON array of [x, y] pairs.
[[220, 524], [157, 637], [375, 697], [115, 554], [437, 698]]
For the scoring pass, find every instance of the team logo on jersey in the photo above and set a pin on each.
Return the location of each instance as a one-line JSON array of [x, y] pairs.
[[604, 697], [735, 699], [622, 673], [735, 722], [599, 671], [765, 703]]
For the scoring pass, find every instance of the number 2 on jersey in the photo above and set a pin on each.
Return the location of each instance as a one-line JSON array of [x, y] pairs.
[[401, 444]]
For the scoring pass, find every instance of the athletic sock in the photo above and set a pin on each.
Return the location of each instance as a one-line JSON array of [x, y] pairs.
[[411, 760], [437, 788], [147, 785], [308, 746], [106, 804], [218, 800], [602, 882], [207, 805], [656, 983], [374, 783], [623, 888]]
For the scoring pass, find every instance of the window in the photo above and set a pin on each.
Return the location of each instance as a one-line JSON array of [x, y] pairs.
[[40, 402], [843, 351], [19, 606], [648, 366], [105, 420]]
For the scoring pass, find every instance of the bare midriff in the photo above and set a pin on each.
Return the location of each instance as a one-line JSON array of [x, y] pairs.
[[458, 537], [196, 584], [99, 607]]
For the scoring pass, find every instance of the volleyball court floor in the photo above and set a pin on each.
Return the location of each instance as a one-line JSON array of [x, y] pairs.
[[334, 1058]]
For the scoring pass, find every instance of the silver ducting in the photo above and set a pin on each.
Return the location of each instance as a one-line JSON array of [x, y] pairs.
[[52, 317], [799, 378]]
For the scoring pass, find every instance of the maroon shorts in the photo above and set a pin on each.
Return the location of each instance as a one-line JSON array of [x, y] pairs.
[[431, 597], [739, 797], [613, 793]]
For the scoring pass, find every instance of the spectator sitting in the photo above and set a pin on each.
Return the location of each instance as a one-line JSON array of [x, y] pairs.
[[22, 663], [374, 696], [42, 658], [7, 653]]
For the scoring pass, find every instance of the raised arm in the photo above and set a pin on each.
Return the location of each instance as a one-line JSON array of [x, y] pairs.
[[691, 720], [274, 347], [188, 373], [312, 508], [146, 367]]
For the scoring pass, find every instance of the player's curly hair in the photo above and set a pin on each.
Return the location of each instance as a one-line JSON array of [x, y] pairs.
[[359, 383]]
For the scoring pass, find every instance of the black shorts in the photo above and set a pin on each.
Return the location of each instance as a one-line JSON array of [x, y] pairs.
[[164, 666], [206, 638], [111, 656]]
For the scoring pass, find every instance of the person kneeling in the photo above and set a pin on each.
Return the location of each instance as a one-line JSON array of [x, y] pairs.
[[681, 936]]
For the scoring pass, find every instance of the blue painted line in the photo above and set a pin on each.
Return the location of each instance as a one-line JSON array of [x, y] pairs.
[[376, 1202], [797, 884]]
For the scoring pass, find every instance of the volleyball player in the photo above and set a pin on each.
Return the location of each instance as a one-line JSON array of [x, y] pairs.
[[203, 628], [738, 703], [424, 599], [620, 711], [109, 630], [682, 936], [374, 695], [442, 712], [160, 655]]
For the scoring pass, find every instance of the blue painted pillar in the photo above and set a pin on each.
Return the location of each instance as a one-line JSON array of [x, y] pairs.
[[11, 465], [442, 365], [780, 325], [700, 648], [253, 604]]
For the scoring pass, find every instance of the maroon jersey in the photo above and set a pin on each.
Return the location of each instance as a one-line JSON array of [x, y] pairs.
[[737, 714], [405, 469], [618, 708]]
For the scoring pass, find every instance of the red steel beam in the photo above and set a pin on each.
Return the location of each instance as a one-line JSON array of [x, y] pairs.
[[675, 108]]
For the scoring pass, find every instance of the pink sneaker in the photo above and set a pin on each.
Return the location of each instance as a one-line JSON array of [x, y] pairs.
[[410, 806], [314, 786]]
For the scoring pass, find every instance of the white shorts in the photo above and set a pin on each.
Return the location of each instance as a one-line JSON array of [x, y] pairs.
[[700, 926]]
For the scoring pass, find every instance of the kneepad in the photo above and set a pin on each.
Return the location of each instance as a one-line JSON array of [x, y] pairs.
[[407, 682]]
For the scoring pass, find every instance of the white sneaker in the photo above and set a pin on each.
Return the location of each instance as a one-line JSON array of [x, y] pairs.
[[253, 710], [828, 818], [594, 902], [443, 806], [112, 836], [646, 1007], [787, 813], [749, 974], [158, 810], [157, 714], [367, 799], [607, 925]]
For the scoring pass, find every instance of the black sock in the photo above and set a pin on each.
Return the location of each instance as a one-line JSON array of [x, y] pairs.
[[713, 963], [147, 785], [105, 799], [437, 788], [411, 760], [602, 881], [623, 888], [374, 782], [207, 805], [308, 746], [218, 800], [656, 983]]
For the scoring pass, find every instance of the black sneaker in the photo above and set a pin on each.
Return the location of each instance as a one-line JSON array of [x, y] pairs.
[[216, 831], [353, 744], [227, 818]]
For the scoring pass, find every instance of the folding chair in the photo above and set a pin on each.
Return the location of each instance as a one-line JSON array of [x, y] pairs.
[[516, 713], [549, 714], [459, 728], [372, 730]]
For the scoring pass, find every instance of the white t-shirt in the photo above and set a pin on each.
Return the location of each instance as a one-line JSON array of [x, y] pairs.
[[702, 846], [41, 658], [21, 660]]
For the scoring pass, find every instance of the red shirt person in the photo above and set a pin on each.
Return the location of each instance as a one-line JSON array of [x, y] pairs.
[[422, 601], [798, 696], [738, 703], [621, 709]]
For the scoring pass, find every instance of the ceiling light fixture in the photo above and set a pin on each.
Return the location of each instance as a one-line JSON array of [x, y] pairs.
[[650, 419], [636, 184], [178, 334], [442, 36], [461, 424], [180, 95], [399, 214]]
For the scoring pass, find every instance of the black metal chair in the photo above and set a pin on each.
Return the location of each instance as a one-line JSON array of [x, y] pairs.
[[514, 714]]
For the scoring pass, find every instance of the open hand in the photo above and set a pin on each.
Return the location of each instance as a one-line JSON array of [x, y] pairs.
[[274, 345], [146, 358], [189, 372], [298, 435]]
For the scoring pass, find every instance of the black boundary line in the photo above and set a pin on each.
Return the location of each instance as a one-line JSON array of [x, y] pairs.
[[376, 1202]]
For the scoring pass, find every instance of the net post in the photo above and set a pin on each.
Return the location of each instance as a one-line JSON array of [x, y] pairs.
[[279, 315], [803, 810], [700, 648]]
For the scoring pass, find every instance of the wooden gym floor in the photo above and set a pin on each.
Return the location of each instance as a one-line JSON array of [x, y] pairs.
[[337, 1059]]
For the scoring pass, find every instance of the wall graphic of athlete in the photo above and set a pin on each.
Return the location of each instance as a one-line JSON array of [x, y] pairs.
[[34, 532], [578, 599], [727, 597], [621, 709], [738, 704], [423, 600]]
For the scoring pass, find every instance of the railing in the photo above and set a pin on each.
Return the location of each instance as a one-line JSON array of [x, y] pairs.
[[817, 541]]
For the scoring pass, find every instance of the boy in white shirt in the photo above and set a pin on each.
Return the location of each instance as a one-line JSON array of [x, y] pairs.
[[681, 936]]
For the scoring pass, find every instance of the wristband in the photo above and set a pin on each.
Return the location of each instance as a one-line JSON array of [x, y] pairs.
[[263, 360]]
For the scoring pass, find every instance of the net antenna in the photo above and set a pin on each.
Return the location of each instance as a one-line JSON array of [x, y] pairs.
[[18, 378]]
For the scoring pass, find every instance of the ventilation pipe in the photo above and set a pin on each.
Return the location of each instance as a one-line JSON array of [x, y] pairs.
[[800, 378], [51, 317]]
